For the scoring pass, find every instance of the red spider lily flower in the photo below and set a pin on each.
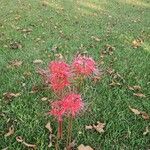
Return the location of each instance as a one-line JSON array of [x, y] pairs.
[[72, 104], [60, 73], [57, 110], [59, 67], [84, 65], [59, 81]]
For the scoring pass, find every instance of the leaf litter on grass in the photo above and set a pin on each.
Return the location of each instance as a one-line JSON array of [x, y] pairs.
[[8, 96], [14, 64], [51, 135], [10, 132], [83, 147], [99, 127], [146, 131], [138, 112], [21, 140]]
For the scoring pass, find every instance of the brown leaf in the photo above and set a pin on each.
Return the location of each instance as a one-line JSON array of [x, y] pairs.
[[19, 139], [95, 38], [131, 88], [48, 126], [142, 113], [9, 95], [99, 127], [15, 45], [82, 147], [135, 111], [135, 87], [71, 145], [145, 115], [38, 61], [45, 3], [29, 145], [14, 63], [88, 127], [139, 95], [10, 132], [96, 79], [146, 131], [137, 43]]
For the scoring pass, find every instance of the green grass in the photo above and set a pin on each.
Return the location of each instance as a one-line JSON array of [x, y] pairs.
[[70, 26]]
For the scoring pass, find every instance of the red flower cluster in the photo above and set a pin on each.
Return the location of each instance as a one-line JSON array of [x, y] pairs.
[[59, 67], [57, 110], [70, 104], [84, 65], [60, 73], [58, 76], [73, 103]]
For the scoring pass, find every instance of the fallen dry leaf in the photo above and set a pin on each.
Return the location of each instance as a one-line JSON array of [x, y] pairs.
[[10, 131], [48, 126], [96, 79], [71, 145], [139, 95], [15, 45], [19, 139], [146, 131], [135, 111], [45, 3], [137, 43], [99, 127], [89, 127], [9, 95], [14, 63], [142, 113], [82, 147], [135, 87], [145, 115], [38, 61]]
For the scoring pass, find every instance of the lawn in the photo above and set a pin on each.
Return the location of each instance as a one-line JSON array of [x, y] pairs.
[[115, 33]]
